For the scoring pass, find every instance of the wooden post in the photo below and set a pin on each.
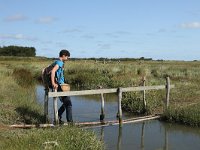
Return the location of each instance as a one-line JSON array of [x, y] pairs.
[[142, 136], [167, 91], [46, 100], [102, 134], [119, 142], [119, 105], [102, 108], [144, 97], [55, 99]]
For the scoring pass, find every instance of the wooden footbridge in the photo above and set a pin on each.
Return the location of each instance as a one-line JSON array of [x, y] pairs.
[[119, 91]]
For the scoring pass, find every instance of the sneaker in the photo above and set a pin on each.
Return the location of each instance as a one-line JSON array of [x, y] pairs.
[[61, 122]]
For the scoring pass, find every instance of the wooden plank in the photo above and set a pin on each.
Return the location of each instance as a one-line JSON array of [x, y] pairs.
[[119, 105], [144, 94], [46, 99], [142, 88], [167, 91], [83, 92], [96, 124], [104, 91], [55, 106], [102, 116], [125, 122]]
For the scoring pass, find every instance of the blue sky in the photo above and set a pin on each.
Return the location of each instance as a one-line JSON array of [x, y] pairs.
[[158, 29]]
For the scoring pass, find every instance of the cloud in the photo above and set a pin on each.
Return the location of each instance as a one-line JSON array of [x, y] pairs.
[[17, 37], [104, 46], [162, 30], [61, 44], [118, 34], [71, 31], [88, 36], [46, 20], [191, 25], [16, 17]]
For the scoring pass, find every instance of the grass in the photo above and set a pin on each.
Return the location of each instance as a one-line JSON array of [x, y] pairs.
[[18, 106], [61, 138], [189, 115], [184, 75], [89, 75]]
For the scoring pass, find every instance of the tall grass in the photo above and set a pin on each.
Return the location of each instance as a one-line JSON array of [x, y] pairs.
[[89, 74], [189, 115], [18, 106], [60, 138], [17, 100]]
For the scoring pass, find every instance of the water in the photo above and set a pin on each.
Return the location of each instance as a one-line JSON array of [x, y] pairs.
[[148, 135]]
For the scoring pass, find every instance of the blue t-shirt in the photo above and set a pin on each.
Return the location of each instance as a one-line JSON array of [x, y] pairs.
[[60, 72]]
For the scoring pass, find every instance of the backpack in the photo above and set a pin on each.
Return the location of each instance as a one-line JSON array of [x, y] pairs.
[[46, 76]]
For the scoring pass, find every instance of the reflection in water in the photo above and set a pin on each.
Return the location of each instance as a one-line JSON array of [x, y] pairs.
[[142, 136], [119, 142], [166, 140], [149, 135]]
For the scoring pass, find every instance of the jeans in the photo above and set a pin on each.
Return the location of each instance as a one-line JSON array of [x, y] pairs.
[[66, 105]]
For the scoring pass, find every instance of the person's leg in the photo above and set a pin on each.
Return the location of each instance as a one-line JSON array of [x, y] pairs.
[[60, 112], [68, 105], [62, 108]]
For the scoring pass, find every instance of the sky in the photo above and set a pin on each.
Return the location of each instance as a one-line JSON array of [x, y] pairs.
[[158, 29]]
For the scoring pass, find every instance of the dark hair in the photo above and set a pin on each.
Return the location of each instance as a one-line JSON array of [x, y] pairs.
[[64, 52]]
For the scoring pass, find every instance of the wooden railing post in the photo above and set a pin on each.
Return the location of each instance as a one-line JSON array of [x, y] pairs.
[[119, 142], [46, 100], [144, 92], [119, 105], [167, 91], [55, 99], [142, 136], [102, 108]]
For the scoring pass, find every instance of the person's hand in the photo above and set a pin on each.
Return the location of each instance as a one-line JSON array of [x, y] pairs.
[[55, 86]]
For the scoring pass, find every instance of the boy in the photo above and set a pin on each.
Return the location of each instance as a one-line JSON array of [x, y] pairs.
[[57, 78]]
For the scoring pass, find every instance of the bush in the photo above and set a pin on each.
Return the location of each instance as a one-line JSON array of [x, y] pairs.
[[23, 77]]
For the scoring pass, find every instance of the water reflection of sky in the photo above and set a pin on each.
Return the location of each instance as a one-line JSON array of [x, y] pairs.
[[85, 108], [149, 135]]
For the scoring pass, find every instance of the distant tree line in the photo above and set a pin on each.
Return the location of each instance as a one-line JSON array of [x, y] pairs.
[[113, 59], [17, 51]]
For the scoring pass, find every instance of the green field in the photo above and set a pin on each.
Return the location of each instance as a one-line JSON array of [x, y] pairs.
[[18, 104]]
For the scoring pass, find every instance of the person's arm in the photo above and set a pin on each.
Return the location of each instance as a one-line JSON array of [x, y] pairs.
[[53, 72]]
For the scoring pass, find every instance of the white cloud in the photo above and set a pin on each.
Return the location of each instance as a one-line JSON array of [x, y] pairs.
[[88, 36], [191, 25], [16, 17], [118, 34], [104, 46], [46, 20], [61, 44], [71, 30], [17, 37]]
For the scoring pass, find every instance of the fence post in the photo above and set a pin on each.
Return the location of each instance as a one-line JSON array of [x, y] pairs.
[[102, 108], [144, 97], [119, 105], [167, 91], [55, 99], [46, 100]]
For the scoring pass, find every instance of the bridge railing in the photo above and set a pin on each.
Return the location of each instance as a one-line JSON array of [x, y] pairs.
[[119, 91]]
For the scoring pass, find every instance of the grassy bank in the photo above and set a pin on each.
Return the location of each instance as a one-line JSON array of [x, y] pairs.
[[90, 74], [184, 75], [18, 106], [61, 138], [189, 115]]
